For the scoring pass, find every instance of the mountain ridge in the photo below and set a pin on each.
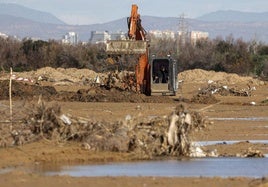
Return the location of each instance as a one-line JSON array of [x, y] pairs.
[[28, 13], [234, 16], [15, 25]]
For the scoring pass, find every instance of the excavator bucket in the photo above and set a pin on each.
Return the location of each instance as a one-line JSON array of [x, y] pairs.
[[126, 47]]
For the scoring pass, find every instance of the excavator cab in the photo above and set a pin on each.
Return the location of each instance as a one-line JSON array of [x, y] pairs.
[[164, 75]]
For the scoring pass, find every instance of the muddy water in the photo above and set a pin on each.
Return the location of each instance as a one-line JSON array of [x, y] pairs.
[[206, 167], [241, 119], [206, 143]]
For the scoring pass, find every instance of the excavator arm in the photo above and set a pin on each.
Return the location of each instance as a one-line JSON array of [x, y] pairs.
[[136, 44], [142, 70], [135, 29]]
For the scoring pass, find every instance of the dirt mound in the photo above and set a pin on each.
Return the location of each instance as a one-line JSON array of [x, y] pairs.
[[204, 99], [104, 94], [112, 86], [203, 76], [97, 93], [80, 75], [24, 90], [56, 74]]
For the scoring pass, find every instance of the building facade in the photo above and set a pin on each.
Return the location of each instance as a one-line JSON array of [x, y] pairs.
[[163, 34], [104, 36], [184, 37], [70, 38], [99, 37], [197, 35]]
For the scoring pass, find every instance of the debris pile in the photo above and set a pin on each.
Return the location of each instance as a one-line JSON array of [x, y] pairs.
[[147, 138], [207, 98], [215, 88], [206, 94], [253, 154], [123, 80]]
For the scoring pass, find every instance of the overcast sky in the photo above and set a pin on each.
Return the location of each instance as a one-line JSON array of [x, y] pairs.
[[101, 11]]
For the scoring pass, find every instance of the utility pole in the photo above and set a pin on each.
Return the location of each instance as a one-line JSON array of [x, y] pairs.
[[182, 33]]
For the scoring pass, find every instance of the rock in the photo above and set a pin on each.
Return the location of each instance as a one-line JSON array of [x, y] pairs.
[[196, 151], [65, 119], [188, 119], [173, 130], [213, 153], [85, 146], [253, 153]]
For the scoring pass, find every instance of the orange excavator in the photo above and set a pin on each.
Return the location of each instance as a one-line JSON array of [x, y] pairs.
[[161, 78], [137, 32]]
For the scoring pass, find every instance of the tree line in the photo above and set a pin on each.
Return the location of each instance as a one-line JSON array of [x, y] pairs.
[[30, 54], [228, 55]]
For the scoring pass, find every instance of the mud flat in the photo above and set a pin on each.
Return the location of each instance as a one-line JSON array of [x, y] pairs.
[[109, 106]]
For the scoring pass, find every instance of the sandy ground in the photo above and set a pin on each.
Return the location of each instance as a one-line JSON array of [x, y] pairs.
[[57, 153]]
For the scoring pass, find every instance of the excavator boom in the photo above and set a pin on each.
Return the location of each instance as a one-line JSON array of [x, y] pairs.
[[132, 22], [136, 44], [135, 29]]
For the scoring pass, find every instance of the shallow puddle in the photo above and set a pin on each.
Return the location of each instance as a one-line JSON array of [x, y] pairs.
[[206, 167], [206, 143], [241, 119]]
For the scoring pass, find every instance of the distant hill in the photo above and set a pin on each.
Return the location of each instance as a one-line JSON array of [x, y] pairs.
[[234, 16], [27, 13], [245, 25], [21, 28]]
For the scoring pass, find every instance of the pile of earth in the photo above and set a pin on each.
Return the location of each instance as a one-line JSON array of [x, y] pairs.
[[55, 75], [111, 86], [221, 78], [74, 75], [204, 99], [218, 83], [97, 93], [22, 90]]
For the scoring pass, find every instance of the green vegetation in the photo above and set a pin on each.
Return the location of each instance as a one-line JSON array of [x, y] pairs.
[[228, 55]]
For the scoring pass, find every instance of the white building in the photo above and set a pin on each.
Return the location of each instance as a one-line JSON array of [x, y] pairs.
[[103, 36], [197, 35], [70, 38], [163, 34], [192, 36], [99, 36]]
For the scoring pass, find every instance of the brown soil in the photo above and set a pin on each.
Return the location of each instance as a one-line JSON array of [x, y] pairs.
[[78, 97]]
